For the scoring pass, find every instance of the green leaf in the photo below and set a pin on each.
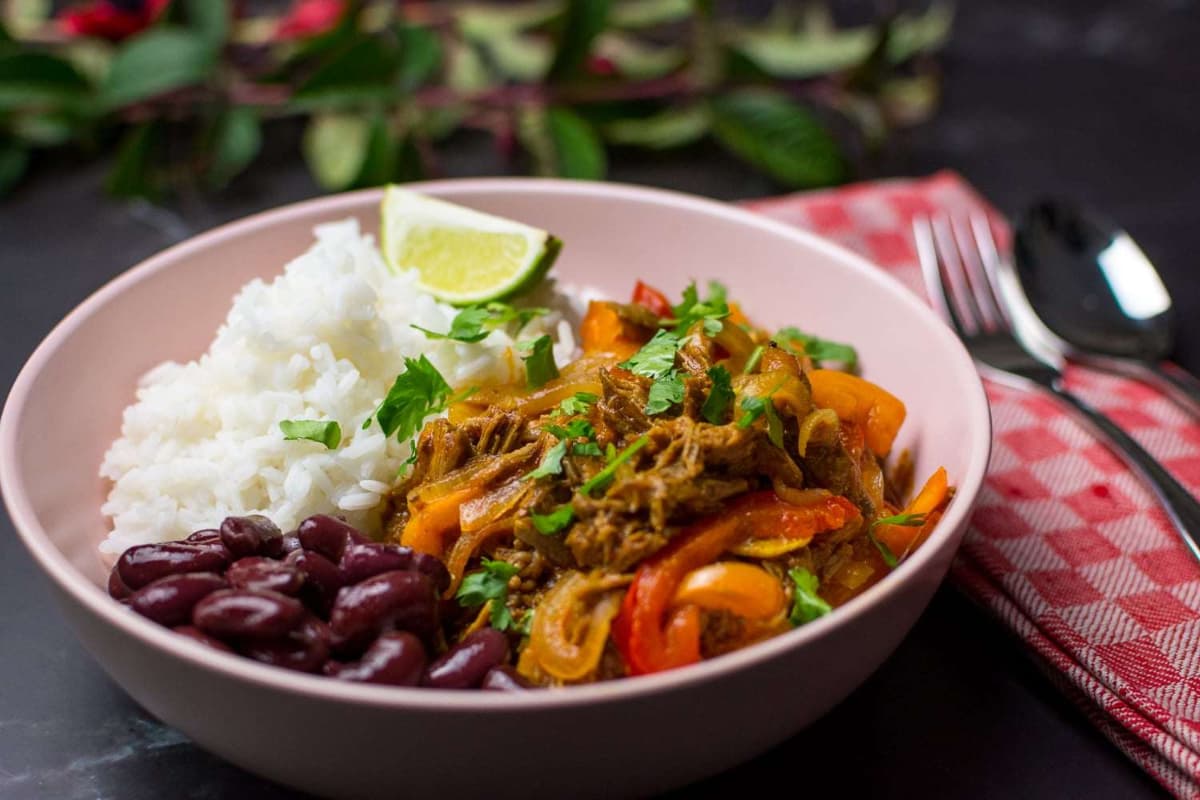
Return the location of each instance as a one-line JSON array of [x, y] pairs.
[[557, 520], [673, 127], [474, 323], [913, 34], [785, 53], [489, 585], [551, 463], [209, 19], [484, 21], [14, 160], [582, 22], [335, 147], [656, 357], [538, 356], [236, 140], [44, 130], [754, 407], [885, 552], [586, 449], [752, 361], [771, 132], [818, 349], [636, 59], [577, 150], [31, 78], [25, 17], [366, 71], [904, 520], [382, 155], [134, 171], [710, 310], [602, 478], [157, 61], [522, 58], [720, 397], [577, 403], [328, 433], [665, 393], [420, 56], [807, 605], [649, 13], [418, 392]]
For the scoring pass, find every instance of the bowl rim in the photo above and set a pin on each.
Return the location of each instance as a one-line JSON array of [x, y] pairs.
[[74, 584]]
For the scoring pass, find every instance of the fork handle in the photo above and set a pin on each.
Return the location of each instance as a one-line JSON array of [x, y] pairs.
[[1182, 507]]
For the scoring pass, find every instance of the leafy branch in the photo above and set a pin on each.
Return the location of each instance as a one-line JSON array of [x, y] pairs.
[[187, 85]]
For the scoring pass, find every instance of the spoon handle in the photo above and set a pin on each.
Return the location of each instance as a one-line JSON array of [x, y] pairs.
[[1181, 506], [1182, 385]]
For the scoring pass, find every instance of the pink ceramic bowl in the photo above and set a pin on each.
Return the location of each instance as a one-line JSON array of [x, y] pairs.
[[626, 737]]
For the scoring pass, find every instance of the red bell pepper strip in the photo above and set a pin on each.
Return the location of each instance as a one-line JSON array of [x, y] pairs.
[[652, 299]]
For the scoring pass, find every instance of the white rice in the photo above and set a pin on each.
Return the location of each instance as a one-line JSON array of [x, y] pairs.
[[324, 341]]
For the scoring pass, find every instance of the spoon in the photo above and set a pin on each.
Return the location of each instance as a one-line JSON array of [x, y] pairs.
[[1099, 295]]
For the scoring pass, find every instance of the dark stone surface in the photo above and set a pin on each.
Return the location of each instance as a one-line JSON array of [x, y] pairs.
[[1092, 99]]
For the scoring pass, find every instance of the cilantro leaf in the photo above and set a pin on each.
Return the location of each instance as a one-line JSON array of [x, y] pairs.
[[489, 584], [665, 392], [820, 350], [755, 407], [577, 403], [551, 462], [656, 357], [615, 460], [889, 557], [474, 323], [710, 310], [807, 605], [555, 521], [525, 626], [326, 433], [586, 449], [755, 356], [539, 361], [418, 392], [905, 520], [720, 397]]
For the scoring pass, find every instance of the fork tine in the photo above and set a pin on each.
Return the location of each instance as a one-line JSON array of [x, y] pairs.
[[975, 274], [954, 276], [989, 255], [927, 255]]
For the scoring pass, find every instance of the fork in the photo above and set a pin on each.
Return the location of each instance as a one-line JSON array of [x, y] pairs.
[[976, 293]]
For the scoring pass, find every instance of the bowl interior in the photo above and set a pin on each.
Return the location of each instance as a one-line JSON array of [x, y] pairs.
[[66, 408]]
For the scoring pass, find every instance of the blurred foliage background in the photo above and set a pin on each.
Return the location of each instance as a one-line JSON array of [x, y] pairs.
[[183, 88]]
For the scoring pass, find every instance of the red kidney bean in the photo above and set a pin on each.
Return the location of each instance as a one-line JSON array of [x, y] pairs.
[[432, 567], [322, 579], [327, 535], [143, 563], [116, 587], [305, 649], [257, 572], [245, 536], [464, 665], [405, 601], [504, 678], [192, 632], [280, 546], [169, 601], [365, 560], [247, 614], [395, 659], [210, 538]]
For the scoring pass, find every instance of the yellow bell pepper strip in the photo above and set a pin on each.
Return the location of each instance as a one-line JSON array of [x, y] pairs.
[[879, 413], [555, 640], [734, 586], [648, 635], [900, 540], [429, 526]]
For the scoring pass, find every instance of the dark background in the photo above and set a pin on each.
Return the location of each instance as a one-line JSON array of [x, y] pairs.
[[1091, 99]]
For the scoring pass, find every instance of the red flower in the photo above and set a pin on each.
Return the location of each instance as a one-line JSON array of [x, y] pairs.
[[601, 65], [111, 19], [309, 18]]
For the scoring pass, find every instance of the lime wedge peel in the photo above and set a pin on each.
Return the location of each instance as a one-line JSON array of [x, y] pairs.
[[461, 256]]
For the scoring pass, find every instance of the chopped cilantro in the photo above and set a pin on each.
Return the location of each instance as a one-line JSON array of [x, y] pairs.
[[474, 323], [539, 361], [489, 585], [555, 521], [615, 460], [418, 392], [326, 433], [586, 449], [807, 605], [904, 520], [752, 362], [656, 360], [577, 403], [889, 557], [525, 626], [575, 429], [755, 407], [710, 310], [820, 350], [720, 397], [665, 392], [551, 462]]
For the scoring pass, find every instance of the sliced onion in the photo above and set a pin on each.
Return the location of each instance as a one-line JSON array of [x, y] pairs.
[[569, 633], [821, 417]]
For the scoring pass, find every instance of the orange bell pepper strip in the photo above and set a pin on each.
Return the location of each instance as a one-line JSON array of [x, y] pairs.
[[902, 539], [744, 589], [877, 411], [603, 331], [652, 299], [648, 634], [429, 527]]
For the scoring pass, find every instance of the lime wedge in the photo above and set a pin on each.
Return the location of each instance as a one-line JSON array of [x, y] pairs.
[[462, 256]]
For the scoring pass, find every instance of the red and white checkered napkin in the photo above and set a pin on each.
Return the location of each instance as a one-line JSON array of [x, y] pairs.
[[1066, 547]]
